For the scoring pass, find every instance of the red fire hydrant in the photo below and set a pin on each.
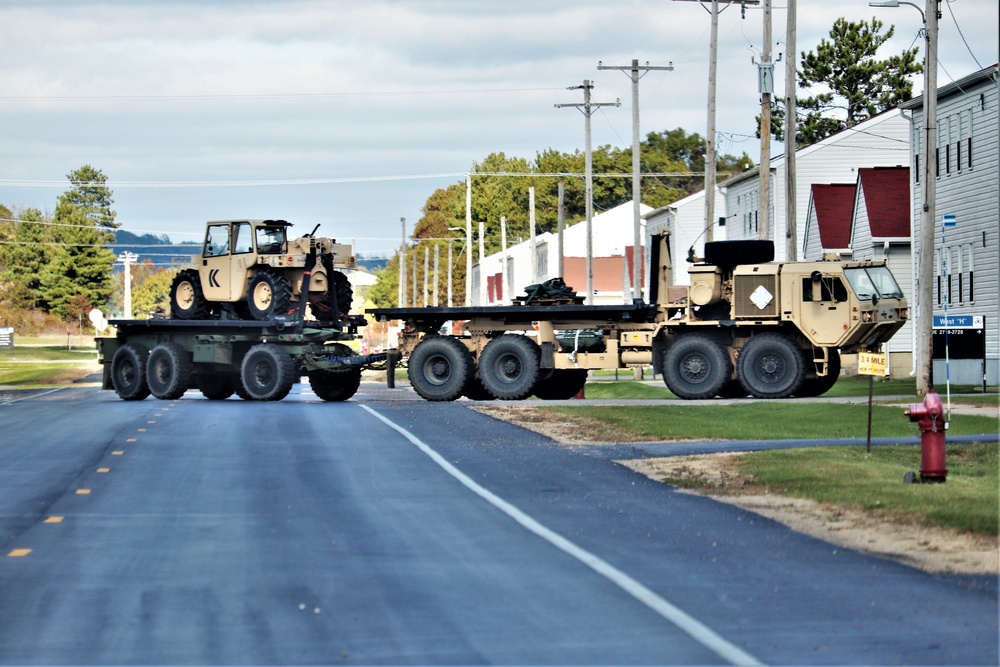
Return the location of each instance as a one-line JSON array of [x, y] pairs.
[[930, 416]]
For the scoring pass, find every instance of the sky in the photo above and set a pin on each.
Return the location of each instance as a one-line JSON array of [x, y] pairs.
[[350, 114]]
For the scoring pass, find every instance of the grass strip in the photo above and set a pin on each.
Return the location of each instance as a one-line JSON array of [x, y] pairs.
[[754, 421]]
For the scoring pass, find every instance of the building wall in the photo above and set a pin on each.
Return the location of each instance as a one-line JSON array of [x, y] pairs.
[[969, 253], [685, 220]]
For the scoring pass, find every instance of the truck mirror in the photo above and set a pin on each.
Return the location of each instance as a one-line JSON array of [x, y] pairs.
[[815, 276]]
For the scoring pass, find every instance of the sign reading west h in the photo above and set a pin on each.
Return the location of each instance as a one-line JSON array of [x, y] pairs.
[[966, 336]]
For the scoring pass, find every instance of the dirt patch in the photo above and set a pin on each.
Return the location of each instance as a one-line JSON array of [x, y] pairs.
[[715, 475]]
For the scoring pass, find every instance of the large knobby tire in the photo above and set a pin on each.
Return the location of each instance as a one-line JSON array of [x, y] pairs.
[[439, 368], [268, 294], [168, 371], [187, 300], [216, 386], [770, 365], [128, 372], [563, 384], [345, 291], [267, 373], [696, 367], [475, 391], [335, 386], [509, 367], [817, 386]]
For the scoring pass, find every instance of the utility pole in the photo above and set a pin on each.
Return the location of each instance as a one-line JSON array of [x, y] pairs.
[[791, 129], [587, 108], [402, 268], [713, 59], [560, 229], [637, 243], [468, 239], [765, 84], [128, 259], [925, 291], [437, 268], [531, 235]]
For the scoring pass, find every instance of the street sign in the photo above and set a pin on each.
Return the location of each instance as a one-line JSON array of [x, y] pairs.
[[966, 335], [871, 364], [950, 220], [6, 336]]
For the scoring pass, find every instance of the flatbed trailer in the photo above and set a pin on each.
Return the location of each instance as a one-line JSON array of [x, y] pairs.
[[746, 326], [256, 360]]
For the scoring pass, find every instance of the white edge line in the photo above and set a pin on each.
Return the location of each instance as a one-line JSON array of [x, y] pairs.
[[24, 398], [694, 628]]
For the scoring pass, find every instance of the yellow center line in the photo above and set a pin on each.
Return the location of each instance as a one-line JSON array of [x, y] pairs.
[[104, 470], [117, 453], [83, 492], [54, 519], [18, 553]]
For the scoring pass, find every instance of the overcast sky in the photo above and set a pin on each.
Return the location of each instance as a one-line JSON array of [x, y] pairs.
[[350, 114]]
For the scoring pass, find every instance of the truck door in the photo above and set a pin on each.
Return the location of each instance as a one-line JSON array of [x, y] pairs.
[[826, 312], [215, 263]]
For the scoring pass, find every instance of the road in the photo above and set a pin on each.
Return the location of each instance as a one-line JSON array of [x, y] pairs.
[[390, 530]]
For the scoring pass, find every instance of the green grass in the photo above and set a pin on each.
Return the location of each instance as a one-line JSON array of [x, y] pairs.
[[757, 421], [967, 502], [45, 366]]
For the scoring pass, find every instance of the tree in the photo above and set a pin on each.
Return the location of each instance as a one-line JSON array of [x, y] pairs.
[[91, 194], [22, 259], [850, 84]]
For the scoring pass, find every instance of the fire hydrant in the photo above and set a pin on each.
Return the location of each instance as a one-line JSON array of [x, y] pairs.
[[930, 416]]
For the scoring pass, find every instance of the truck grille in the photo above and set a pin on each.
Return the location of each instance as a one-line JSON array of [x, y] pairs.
[[748, 289]]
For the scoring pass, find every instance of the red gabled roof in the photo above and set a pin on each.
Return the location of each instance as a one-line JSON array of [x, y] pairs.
[[834, 206], [887, 198]]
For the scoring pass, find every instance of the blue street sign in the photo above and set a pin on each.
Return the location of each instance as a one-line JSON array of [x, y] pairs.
[[958, 321], [950, 220]]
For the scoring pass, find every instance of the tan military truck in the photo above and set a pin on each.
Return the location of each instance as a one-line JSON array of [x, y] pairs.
[[747, 326], [250, 269]]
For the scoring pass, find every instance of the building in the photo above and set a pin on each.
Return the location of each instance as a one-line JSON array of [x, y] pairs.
[[685, 221], [967, 254]]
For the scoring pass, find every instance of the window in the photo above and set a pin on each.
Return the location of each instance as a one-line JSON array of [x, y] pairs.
[[270, 240], [216, 241], [827, 288], [243, 238]]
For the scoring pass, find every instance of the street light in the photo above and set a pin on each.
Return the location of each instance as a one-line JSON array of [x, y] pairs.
[[925, 266]]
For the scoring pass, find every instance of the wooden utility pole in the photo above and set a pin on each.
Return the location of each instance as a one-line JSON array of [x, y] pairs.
[[765, 84], [402, 267], [791, 129], [587, 108], [637, 243]]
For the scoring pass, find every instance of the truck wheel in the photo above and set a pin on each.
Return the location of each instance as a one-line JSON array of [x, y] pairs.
[[771, 366], [817, 386], [269, 294], [168, 371], [439, 368], [338, 386], [267, 373], [475, 391], [509, 368], [696, 367], [563, 384], [128, 372], [345, 291], [187, 300], [216, 386]]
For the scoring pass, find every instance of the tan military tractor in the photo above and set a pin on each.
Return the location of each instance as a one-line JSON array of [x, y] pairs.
[[249, 269]]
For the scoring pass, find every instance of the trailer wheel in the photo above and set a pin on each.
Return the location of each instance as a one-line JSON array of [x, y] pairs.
[[509, 367], [216, 386], [168, 371], [817, 386], [771, 366], [696, 367], [268, 294], [338, 386], [187, 300], [267, 373], [128, 372], [563, 384], [439, 368]]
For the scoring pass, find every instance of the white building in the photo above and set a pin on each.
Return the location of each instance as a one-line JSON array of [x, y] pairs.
[[507, 274], [685, 221]]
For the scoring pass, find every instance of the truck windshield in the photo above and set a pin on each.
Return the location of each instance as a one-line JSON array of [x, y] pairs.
[[270, 240], [873, 281]]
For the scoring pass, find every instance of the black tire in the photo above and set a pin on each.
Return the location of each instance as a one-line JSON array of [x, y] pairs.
[[563, 384], [335, 386], [440, 368], [128, 372], [268, 294], [817, 386], [770, 365], [168, 371], [187, 300], [267, 373], [733, 389], [475, 391], [509, 367], [696, 367], [216, 386], [345, 292]]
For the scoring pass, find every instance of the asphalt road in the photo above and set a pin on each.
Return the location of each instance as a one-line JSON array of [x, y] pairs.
[[393, 531]]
